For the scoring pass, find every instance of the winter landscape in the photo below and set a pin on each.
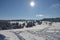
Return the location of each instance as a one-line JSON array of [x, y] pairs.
[[29, 19], [40, 30]]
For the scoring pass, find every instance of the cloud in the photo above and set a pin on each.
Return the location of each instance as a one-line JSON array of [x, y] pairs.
[[55, 6], [39, 15]]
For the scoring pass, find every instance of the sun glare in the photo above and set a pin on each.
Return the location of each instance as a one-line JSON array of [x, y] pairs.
[[32, 4]]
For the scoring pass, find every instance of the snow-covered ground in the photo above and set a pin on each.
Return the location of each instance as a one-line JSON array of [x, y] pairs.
[[38, 32]]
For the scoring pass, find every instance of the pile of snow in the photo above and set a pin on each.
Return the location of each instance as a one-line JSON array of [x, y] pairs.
[[8, 35]]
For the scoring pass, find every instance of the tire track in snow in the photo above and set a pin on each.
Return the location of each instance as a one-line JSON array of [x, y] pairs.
[[29, 36], [46, 35], [19, 36]]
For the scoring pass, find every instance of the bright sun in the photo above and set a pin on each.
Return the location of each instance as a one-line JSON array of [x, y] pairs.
[[32, 4]]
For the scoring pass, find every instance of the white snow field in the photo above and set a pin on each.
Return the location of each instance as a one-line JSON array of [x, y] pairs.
[[38, 32]]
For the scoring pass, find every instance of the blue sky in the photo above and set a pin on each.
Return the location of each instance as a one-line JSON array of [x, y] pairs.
[[21, 9]]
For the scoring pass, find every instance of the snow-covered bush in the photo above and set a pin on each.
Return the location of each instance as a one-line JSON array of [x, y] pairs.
[[30, 24], [39, 22]]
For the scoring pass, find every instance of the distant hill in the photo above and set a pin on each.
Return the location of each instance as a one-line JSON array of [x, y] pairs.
[[45, 19], [51, 19]]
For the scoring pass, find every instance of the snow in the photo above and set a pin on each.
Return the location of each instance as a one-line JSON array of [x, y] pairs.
[[38, 32], [9, 35]]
